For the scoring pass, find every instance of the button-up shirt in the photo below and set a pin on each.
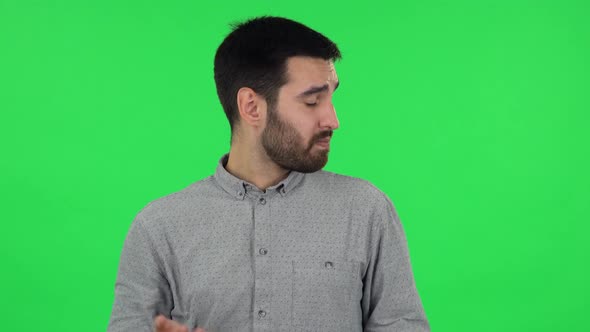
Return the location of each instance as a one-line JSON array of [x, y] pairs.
[[316, 252]]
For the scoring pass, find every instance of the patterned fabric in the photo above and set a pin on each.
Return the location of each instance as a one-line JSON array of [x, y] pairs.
[[316, 252]]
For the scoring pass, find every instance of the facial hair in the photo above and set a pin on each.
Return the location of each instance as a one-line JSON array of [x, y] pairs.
[[284, 145]]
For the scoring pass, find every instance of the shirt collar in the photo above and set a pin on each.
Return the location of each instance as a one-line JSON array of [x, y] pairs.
[[238, 187]]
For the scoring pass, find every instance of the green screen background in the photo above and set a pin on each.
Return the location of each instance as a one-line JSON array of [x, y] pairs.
[[471, 115]]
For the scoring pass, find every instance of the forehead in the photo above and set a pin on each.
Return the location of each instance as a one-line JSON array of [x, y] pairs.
[[304, 71]]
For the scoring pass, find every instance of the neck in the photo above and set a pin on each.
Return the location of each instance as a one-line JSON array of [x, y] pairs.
[[252, 164]]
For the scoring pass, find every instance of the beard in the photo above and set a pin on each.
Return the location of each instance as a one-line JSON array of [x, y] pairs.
[[284, 145]]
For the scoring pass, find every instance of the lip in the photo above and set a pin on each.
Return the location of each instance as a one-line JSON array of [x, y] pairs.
[[324, 142]]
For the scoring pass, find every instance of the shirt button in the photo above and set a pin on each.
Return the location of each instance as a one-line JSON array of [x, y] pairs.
[[262, 200], [261, 314], [262, 251], [329, 265]]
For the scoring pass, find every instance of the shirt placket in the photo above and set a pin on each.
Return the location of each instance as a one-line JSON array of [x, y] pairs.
[[262, 267]]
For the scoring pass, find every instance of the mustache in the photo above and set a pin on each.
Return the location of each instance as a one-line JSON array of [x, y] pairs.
[[318, 137], [322, 135]]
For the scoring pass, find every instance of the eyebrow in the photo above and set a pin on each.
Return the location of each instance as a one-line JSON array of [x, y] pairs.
[[317, 89]]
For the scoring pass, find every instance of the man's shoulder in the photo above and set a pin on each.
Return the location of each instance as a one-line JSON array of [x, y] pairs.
[[358, 193], [177, 203], [351, 185]]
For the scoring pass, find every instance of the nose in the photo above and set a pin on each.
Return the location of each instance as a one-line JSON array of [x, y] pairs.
[[329, 118]]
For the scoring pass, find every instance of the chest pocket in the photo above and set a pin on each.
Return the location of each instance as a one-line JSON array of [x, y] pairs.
[[326, 295]]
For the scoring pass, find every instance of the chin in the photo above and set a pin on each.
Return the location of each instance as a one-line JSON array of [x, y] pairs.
[[315, 166]]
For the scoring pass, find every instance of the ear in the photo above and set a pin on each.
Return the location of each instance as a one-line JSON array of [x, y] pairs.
[[252, 107]]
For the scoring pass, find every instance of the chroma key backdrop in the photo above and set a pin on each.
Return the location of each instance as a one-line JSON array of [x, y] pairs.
[[473, 116]]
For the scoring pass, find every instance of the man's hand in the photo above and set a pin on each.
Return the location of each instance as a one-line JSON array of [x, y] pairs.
[[164, 324]]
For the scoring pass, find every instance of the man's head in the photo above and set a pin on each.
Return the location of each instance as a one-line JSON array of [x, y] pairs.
[[275, 79]]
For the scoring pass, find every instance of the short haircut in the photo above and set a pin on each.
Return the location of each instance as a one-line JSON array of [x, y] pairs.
[[255, 54]]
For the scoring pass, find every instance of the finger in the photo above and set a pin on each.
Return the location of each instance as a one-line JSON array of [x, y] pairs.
[[160, 323], [164, 324]]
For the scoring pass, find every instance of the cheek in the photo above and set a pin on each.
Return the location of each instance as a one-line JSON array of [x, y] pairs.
[[302, 124], [305, 130], [301, 119]]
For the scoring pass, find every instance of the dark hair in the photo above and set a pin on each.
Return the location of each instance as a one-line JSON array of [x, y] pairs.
[[255, 55]]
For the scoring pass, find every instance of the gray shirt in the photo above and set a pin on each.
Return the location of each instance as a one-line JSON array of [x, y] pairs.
[[316, 252]]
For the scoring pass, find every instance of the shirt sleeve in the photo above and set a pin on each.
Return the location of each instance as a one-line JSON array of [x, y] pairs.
[[141, 289], [390, 299]]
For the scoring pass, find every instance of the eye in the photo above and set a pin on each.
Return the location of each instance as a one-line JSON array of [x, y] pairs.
[[311, 104]]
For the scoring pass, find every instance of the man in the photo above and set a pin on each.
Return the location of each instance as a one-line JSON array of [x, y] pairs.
[[270, 242]]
